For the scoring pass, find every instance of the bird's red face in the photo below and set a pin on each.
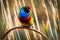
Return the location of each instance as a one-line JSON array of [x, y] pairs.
[[27, 9], [30, 9]]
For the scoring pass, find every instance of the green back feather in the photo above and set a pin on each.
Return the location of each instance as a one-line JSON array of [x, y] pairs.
[[32, 15]]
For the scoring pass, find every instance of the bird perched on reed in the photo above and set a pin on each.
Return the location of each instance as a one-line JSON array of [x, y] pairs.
[[26, 17]]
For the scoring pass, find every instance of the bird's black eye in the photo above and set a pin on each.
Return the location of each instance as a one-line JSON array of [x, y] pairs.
[[26, 10]]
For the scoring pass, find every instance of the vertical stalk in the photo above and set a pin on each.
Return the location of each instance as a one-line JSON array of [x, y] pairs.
[[10, 25], [35, 15], [46, 12]]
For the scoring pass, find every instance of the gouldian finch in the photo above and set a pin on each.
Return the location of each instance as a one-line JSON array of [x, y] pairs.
[[26, 17]]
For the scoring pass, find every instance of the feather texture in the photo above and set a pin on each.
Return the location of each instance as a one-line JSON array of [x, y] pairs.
[[26, 17]]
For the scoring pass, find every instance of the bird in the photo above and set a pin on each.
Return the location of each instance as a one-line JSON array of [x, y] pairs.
[[26, 17]]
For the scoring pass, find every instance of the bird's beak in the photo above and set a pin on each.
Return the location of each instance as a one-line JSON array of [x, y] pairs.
[[30, 9]]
